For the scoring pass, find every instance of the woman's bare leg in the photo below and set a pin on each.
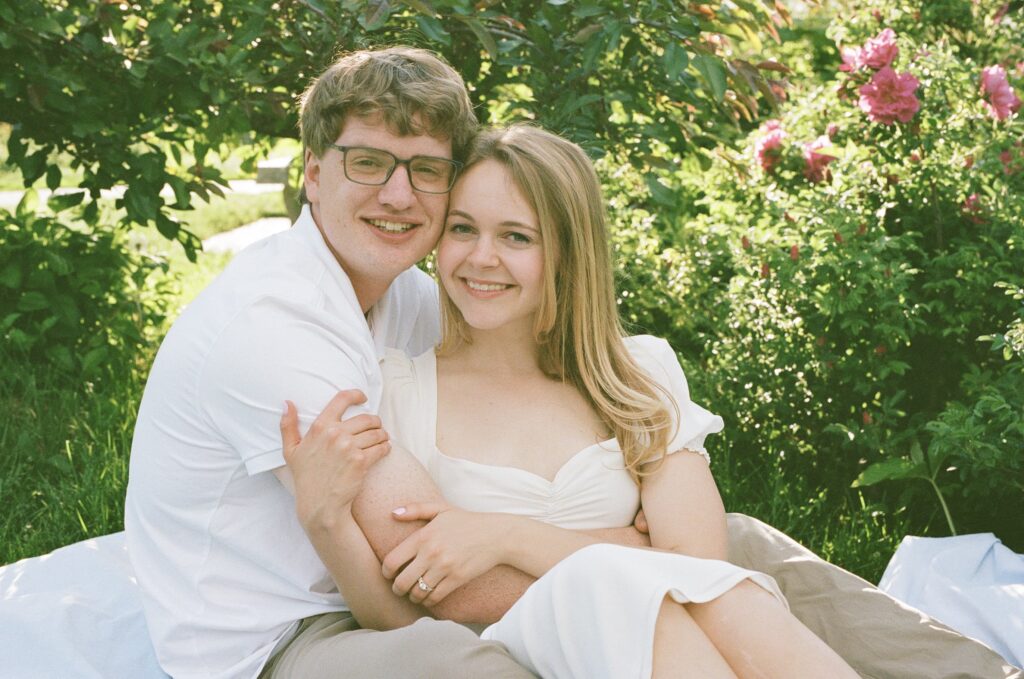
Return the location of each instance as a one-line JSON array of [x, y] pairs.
[[760, 639], [681, 649]]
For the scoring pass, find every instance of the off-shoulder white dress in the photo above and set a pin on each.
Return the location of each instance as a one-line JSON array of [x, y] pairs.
[[593, 615]]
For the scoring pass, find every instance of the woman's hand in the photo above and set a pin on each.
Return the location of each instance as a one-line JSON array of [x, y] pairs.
[[454, 548], [328, 465]]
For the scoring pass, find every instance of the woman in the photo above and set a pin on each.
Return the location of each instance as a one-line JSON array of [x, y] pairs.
[[544, 410]]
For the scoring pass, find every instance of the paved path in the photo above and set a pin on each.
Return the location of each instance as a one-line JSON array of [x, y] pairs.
[[244, 236], [228, 241]]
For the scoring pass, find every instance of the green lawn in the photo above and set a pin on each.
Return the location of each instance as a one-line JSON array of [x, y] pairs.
[[66, 441]]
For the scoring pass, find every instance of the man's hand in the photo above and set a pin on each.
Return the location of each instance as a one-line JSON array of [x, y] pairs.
[[328, 465], [453, 549]]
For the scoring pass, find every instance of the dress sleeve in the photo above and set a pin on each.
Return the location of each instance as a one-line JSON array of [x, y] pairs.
[[695, 423], [402, 411]]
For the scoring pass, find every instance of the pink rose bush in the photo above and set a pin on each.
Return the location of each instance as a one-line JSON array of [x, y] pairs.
[[877, 53], [880, 51], [816, 169], [1002, 101], [889, 97], [768, 147]]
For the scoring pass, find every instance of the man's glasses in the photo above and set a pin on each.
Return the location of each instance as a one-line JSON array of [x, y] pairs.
[[373, 167]]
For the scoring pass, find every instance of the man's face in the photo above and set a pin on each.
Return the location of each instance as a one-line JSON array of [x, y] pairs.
[[375, 232]]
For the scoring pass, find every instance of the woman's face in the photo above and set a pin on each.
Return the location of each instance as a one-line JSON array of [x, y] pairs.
[[491, 257]]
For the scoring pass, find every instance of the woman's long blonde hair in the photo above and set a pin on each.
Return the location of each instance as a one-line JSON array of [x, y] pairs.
[[577, 325]]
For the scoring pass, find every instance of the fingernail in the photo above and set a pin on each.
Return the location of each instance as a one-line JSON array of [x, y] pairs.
[[398, 511]]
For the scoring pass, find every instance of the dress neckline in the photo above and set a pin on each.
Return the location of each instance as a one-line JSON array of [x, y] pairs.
[[429, 394]]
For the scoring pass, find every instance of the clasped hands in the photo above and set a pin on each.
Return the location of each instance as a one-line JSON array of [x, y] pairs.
[[328, 466]]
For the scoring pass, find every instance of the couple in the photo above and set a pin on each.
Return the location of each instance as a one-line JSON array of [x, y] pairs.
[[533, 367], [249, 567]]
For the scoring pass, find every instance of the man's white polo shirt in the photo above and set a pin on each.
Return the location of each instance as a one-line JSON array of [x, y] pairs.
[[224, 566]]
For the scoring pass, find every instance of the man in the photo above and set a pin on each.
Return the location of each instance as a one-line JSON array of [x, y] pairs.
[[225, 568]]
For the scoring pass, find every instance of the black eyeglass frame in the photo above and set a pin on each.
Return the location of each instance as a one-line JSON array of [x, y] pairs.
[[399, 161]]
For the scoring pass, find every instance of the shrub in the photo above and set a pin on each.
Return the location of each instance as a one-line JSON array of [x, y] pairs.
[[76, 298], [832, 289]]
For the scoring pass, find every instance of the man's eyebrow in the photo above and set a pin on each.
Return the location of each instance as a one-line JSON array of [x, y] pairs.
[[512, 223]]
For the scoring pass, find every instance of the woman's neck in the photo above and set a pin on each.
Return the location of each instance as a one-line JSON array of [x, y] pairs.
[[504, 350]]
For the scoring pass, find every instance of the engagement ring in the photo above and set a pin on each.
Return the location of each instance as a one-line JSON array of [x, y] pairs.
[[423, 586]]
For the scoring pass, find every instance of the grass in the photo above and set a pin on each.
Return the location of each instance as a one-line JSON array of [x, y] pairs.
[[65, 466], [845, 528], [232, 211]]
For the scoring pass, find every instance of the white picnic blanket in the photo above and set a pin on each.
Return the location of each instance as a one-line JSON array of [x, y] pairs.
[[973, 583], [75, 614]]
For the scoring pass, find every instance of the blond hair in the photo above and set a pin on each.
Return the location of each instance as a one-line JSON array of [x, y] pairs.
[[577, 323], [412, 89]]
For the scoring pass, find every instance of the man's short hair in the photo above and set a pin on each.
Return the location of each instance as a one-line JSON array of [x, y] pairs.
[[413, 91]]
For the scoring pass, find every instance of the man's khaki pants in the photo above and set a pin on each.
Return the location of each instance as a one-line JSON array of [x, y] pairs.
[[877, 635], [332, 646], [880, 637]]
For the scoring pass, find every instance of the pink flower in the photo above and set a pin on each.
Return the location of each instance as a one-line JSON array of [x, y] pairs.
[[1001, 99], [879, 52], [851, 59], [817, 163], [889, 97], [1009, 166], [972, 209], [768, 147]]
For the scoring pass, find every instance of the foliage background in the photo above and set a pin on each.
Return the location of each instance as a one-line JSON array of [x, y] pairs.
[[853, 357]]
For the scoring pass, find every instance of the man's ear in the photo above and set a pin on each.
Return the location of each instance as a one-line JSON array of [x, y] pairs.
[[311, 177]]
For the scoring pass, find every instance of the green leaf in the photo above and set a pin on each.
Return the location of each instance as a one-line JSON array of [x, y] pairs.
[[167, 227], [63, 201], [10, 276], [94, 358], [485, 38], [53, 175], [676, 60], [375, 14], [32, 301], [421, 6], [916, 453], [585, 33], [714, 73], [895, 469], [433, 29], [659, 192], [28, 204]]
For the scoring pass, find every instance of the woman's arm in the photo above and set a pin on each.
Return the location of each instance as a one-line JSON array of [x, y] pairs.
[[683, 508], [326, 470], [495, 557]]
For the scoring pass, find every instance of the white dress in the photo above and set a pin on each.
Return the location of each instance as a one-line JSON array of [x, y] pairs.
[[593, 615]]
